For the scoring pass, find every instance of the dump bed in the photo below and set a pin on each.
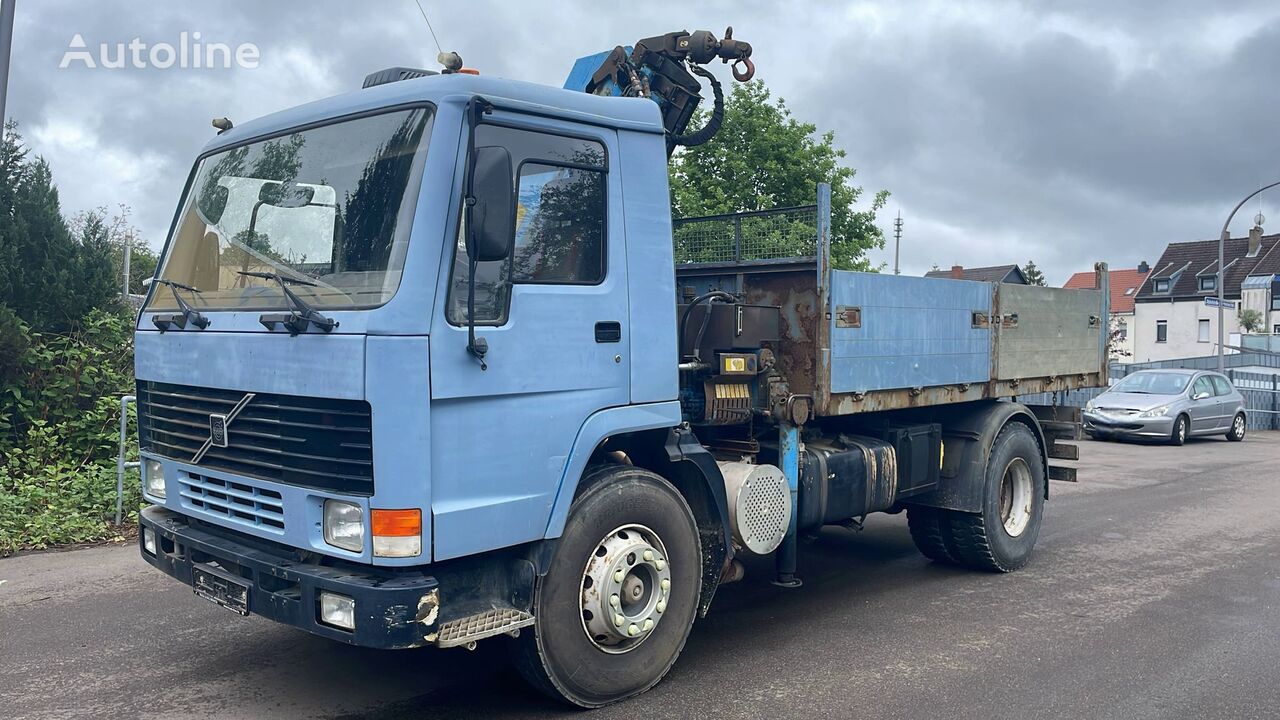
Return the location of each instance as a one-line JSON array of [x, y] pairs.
[[862, 342]]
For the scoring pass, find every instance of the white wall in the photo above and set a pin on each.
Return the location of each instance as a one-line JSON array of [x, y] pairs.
[[1123, 350], [1183, 338]]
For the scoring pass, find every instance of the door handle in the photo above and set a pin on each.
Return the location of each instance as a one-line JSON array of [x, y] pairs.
[[608, 331]]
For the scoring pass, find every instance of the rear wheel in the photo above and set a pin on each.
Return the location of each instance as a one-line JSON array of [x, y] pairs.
[[1001, 537], [616, 605], [1236, 434], [1179, 434], [930, 531]]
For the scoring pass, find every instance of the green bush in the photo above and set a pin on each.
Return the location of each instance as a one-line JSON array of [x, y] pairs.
[[59, 433]]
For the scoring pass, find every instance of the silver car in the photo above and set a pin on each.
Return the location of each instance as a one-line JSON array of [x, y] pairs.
[[1168, 404]]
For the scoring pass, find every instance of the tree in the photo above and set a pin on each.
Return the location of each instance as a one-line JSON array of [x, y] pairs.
[[764, 158], [1251, 320], [117, 231], [49, 277], [1033, 274]]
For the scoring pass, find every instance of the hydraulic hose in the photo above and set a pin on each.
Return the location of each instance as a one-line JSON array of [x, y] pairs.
[[684, 319], [717, 113]]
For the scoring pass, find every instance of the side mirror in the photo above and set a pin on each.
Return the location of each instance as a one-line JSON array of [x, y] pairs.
[[491, 210], [286, 195], [1200, 396], [212, 204]]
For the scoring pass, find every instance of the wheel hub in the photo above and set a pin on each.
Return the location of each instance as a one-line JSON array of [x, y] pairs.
[[1016, 497], [626, 585]]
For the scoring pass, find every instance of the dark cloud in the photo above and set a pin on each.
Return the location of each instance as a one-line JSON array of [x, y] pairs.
[[1005, 131]]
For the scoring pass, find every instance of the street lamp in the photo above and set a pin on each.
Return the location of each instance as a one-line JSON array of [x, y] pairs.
[[1222, 242]]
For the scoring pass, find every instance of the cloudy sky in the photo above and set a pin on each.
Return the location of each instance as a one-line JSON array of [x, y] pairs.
[[1098, 130]]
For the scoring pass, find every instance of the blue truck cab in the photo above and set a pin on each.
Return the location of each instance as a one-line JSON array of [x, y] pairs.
[[418, 368]]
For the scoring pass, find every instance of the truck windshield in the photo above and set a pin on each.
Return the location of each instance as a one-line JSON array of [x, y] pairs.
[[331, 205]]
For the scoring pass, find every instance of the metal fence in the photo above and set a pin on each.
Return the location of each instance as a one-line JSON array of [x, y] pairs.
[[765, 235], [1261, 390]]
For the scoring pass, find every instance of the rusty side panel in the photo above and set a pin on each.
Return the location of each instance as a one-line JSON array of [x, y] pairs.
[[796, 293]]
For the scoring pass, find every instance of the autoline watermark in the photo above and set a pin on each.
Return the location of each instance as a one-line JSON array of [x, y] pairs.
[[190, 52]]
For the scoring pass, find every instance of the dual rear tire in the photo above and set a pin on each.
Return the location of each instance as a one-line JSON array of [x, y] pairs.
[[1002, 535]]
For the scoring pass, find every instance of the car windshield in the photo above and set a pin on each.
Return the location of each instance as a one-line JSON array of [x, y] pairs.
[[1153, 383], [331, 205]]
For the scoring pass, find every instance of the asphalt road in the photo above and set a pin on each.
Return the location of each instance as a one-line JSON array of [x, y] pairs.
[[1154, 593]]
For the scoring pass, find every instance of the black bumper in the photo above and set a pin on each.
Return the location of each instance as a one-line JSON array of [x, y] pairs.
[[395, 610]]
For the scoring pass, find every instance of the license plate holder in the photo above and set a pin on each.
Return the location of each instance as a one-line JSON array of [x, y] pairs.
[[220, 588]]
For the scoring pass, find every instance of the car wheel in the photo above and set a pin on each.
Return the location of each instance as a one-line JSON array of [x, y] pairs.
[[1179, 435], [1237, 428]]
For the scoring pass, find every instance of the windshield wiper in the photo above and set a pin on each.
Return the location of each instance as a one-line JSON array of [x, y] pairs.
[[303, 315], [188, 314]]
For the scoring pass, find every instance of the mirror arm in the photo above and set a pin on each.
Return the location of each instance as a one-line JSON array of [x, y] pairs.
[[477, 347]]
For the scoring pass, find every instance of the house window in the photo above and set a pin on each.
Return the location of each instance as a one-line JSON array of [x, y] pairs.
[[1275, 330], [1122, 330], [1208, 283], [1162, 331], [1203, 335], [1275, 301], [1161, 286]]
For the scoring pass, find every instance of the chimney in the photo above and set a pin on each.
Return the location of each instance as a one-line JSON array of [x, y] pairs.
[[1255, 241], [1143, 267], [957, 272]]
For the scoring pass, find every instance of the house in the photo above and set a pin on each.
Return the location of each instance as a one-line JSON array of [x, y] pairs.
[[1171, 319], [1124, 288], [996, 273], [1261, 292]]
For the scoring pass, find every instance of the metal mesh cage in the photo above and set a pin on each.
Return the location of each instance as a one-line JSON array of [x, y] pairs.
[[765, 235]]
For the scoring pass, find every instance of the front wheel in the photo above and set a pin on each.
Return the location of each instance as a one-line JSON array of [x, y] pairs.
[[1179, 434], [618, 601], [1236, 434]]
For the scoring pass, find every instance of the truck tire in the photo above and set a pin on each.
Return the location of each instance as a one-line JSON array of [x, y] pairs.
[[618, 600], [930, 531], [1002, 536]]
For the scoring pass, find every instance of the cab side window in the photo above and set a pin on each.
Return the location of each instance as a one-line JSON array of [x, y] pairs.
[[561, 213], [1221, 385]]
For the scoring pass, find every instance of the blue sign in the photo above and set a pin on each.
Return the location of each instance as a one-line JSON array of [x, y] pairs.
[[1215, 302]]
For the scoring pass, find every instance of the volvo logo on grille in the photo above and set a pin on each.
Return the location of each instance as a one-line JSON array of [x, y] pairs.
[[219, 428]]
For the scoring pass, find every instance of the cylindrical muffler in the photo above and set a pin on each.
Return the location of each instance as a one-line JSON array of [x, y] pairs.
[[759, 502]]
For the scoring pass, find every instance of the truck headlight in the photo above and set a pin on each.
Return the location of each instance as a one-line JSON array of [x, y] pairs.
[[153, 477], [1154, 412], [344, 525], [338, 610]]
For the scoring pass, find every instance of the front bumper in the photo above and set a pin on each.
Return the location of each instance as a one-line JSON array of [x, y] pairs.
[[1098, 424], [393, 609]]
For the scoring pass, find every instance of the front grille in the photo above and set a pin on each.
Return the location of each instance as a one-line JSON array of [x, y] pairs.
[[319, 443], [239, 502]]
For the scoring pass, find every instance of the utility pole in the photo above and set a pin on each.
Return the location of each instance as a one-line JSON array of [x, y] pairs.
[[897, 241], [128, 253], [6, 48]]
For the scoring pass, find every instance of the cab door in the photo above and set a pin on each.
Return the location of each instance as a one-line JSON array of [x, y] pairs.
[[554, 317]]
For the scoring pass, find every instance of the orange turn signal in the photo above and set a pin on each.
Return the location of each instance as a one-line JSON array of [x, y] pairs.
[[397, 523]]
